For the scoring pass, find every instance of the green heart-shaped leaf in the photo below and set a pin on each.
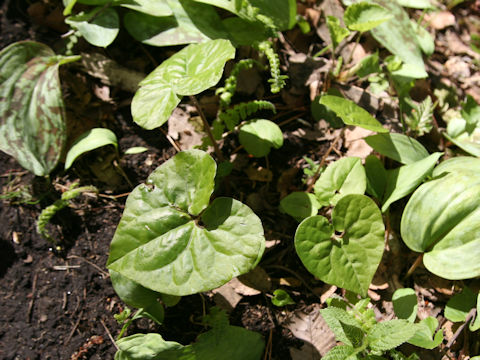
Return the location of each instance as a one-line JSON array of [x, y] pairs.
[[350, 261], [342, 177], [442, 219], [259, 136], [99, 27], [351, 113], [171, 241], [300, 205], [190, 71], [32, 125], [425, 336]]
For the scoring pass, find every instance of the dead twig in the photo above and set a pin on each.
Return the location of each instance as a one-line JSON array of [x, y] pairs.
[[109, 334], [470, 315], [102, 272], [32, 300]]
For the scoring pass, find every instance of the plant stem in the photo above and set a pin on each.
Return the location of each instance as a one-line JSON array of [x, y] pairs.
[[414, 266], [353, 49], [322, 162], [206, 125]]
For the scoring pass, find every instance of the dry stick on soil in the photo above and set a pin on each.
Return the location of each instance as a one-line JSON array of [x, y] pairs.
[[470, 315], [103, 273], [206, 125], [109, 335], [313, 180], [32, 300], [170, 139], [74, 328], [268, 348]]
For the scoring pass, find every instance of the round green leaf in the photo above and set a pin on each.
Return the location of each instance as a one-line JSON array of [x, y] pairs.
[[190, 71], [458, 307], [342, 177], [88, 141], [32, 115], [300, 205], [425, 336], [405, 304], [171, 241], [259, 136], [349, 261], [442, 219], [351, 113], [99, 26], [364, 16]]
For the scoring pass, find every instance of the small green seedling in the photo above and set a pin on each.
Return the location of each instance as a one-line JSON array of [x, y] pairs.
[[362, 336], [281, 298], [63, 202]]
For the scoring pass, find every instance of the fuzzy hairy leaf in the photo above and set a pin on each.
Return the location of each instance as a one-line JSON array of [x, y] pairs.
[[32, 119], [350, 261], [170, 240], [442, 219], [341, 352], [388, 335], [345, 327], [190, 71]]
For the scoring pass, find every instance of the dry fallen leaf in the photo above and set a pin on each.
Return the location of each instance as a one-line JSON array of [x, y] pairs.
[[440, 20], [355, 144], [313, 329], [182, 129]]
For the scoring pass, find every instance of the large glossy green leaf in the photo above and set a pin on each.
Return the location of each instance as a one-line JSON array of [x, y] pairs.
[[403, 180], [365, 16], [342, 177], [99, 26], [259, 136], [191, 22], [442, 219], [388, 335], [170, 239], [32, 119], [398, 147], [190, 71], [425, 335], [459, 163], [349, 261], [351, 113], [90, 140]]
